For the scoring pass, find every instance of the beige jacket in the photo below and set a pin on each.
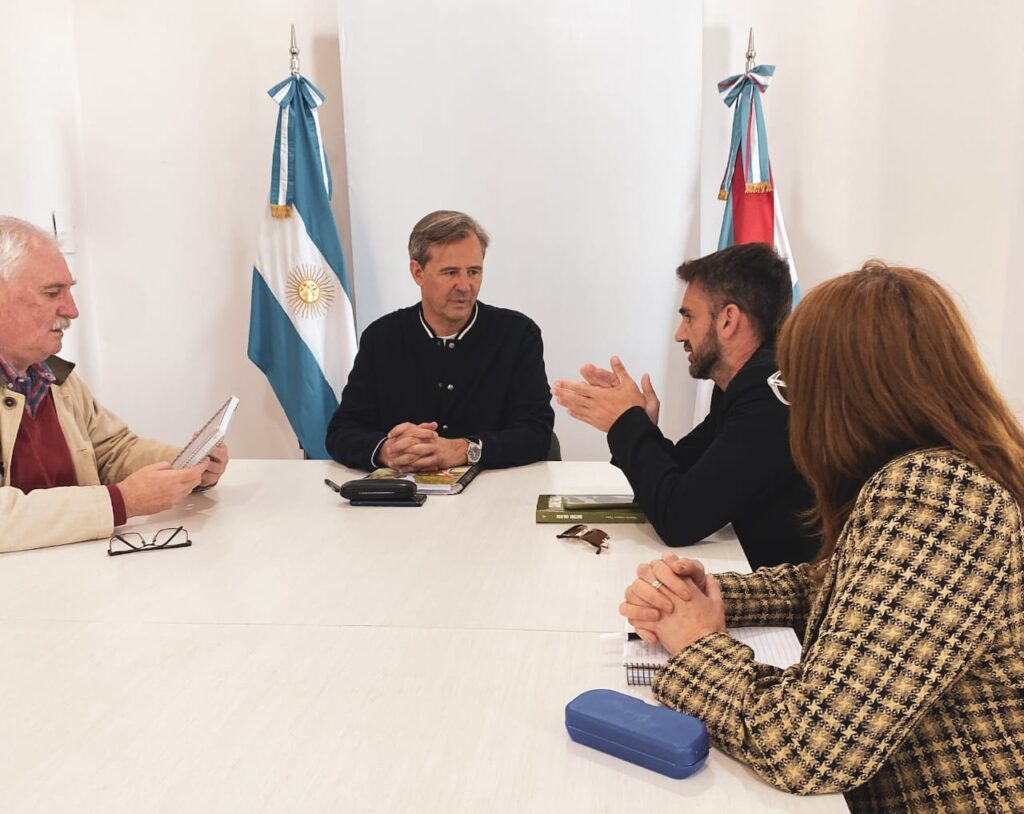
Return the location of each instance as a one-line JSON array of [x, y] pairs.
[[103, 450]]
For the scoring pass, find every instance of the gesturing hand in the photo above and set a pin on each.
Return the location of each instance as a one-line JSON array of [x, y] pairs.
[[652, 404], [599, 405], [599, 377]]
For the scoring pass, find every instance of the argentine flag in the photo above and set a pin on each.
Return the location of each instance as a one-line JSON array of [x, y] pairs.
[[301, 328], [753, 208]]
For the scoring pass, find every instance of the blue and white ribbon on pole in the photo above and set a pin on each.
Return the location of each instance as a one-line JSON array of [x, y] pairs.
[[301, 328], [750, 144]]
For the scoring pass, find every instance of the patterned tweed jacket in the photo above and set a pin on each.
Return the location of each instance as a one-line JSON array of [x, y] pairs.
[[909, 694]]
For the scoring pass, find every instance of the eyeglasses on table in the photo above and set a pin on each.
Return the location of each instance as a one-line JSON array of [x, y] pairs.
[[132, 542]]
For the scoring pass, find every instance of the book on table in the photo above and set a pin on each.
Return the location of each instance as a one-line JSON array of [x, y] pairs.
[[777, 646], [589, 509], [443, 482]]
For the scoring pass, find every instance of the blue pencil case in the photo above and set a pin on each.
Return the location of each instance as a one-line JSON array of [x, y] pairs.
[[656, 738]]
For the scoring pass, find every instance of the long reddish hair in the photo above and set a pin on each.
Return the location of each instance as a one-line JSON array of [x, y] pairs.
[[879, 362]]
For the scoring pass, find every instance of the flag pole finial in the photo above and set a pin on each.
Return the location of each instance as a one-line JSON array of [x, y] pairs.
[[294, 51], [751, 53]]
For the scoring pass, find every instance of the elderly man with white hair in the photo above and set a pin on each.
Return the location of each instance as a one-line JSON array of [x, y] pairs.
[[70, 470]]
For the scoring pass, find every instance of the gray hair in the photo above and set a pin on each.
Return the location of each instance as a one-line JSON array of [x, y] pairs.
[[443, 226], [16, 236]]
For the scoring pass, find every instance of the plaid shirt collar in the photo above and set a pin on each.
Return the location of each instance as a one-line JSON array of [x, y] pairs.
[[33, 386]]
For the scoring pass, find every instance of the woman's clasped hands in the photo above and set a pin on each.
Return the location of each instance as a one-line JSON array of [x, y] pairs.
[[672, 602]]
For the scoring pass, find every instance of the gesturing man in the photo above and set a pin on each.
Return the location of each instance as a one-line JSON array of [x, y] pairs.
[[735, 467], [69, 469], [448, 381]]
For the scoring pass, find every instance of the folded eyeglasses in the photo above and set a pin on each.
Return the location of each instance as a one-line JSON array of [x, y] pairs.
[[132, 542]]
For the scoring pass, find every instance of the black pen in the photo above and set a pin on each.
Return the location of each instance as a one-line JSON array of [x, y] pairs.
[[631, 636], [333, 485]]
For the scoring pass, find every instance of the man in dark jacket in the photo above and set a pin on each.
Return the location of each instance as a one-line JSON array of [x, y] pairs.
[[735, 467], [451, 380]]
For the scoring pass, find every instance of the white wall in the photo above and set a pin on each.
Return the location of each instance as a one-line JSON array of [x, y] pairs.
[[150, 123], [895, 132], [40, 142], [570, 130], [178, 132]]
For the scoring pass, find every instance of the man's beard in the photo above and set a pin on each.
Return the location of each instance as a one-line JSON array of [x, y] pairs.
[[706, 356]]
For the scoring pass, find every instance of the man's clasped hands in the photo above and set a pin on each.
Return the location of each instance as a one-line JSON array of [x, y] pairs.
[[418, 448], [672, 602]]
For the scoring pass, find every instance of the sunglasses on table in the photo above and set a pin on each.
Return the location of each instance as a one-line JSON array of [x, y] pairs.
[[595, 537]]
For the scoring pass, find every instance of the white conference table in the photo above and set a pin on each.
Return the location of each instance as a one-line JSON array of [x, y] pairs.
[[306, 655]]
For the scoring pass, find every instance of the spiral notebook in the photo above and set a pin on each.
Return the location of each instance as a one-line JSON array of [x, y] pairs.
[[777, 646], [206, 438]]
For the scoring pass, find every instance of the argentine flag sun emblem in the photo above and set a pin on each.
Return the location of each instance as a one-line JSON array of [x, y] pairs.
[[310, 291]]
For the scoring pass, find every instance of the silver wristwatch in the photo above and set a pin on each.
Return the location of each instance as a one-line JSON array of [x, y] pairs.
[[474, 451]]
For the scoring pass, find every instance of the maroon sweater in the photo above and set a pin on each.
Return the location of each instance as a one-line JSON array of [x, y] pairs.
[[42, 460]]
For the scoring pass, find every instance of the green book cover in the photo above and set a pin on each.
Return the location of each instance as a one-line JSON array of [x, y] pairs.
[[588, 509]]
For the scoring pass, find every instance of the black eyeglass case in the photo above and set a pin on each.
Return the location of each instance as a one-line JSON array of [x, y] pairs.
[[657, 738], [381, 492]]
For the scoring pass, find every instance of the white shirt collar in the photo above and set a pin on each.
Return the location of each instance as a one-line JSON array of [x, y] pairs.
[[455, 336]]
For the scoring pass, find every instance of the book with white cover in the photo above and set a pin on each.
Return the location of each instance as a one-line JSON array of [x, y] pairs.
[[207, 437]]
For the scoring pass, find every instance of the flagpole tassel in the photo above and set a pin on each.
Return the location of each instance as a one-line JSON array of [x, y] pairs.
[[723, 194], [280, 211], [760, 186]]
